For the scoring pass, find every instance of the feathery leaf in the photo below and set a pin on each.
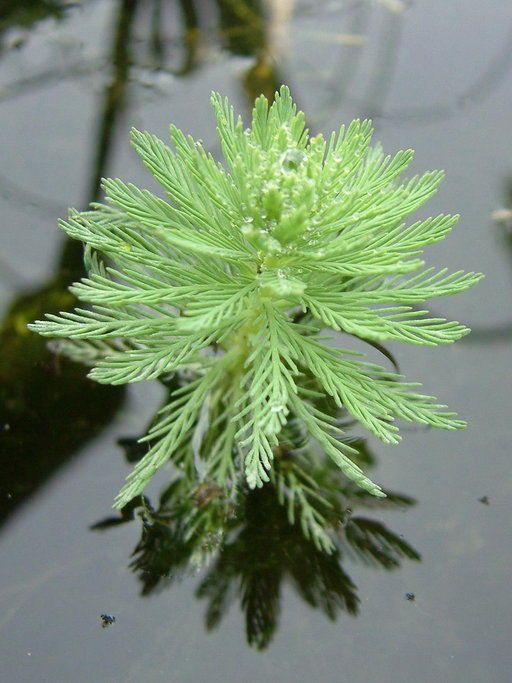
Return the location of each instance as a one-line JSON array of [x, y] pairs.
[[227, 283]]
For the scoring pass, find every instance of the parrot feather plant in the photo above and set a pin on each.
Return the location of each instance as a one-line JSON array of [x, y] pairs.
[[229, 284]]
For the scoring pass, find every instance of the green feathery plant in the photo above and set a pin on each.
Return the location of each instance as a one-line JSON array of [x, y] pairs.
[[227, 286]]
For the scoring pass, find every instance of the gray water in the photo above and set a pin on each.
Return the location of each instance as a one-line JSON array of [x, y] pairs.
[[435, 76]]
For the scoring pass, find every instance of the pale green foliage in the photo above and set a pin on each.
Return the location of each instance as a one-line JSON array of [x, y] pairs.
[[229, 281]]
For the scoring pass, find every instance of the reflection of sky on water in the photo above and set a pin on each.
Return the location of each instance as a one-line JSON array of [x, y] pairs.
[[440, 85]]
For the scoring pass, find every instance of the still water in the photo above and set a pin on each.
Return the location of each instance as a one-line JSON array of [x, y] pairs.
[[428, 597]]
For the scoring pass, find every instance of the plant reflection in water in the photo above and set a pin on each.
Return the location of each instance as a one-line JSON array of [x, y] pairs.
[[298, 529]]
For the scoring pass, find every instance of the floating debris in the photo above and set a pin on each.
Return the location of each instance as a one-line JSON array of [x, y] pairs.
[[502, 215], [106, 620], [410, 596]]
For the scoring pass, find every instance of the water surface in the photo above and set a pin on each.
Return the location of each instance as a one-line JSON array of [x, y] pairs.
[[434, 76]]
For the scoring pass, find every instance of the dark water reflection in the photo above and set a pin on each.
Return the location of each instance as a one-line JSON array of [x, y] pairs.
[[250, 548], [74, 77]]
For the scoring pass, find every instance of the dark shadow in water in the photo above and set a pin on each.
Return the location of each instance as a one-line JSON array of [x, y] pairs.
[[298, 530], [254, 551], [25, 14], [48, 409], [115, 96]]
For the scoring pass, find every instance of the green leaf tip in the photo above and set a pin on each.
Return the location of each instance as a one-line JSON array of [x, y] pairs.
[[223, 285]]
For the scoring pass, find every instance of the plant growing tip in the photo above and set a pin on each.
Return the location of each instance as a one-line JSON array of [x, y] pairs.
[[227, 283]]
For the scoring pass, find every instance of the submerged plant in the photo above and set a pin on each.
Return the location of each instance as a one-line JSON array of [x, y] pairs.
[[227, 285]]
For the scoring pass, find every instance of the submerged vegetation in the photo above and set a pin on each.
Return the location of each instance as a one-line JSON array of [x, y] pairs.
[[225, 289]]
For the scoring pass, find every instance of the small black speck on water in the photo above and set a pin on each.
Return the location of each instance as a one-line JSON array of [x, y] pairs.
[[106, 620]]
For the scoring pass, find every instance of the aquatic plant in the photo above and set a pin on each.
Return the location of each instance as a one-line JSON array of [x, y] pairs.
[[228, 285]]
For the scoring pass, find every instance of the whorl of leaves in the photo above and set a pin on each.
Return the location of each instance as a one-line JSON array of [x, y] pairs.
[[231, 278]]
